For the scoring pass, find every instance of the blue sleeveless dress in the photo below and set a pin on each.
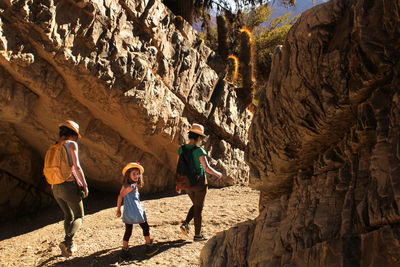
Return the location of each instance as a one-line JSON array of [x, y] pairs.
[[133, 211]]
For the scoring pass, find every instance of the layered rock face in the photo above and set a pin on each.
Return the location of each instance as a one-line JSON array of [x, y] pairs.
[[127, 75], [324, 146]]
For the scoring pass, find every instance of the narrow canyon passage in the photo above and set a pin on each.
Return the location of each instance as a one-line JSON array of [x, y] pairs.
[[99, 240]]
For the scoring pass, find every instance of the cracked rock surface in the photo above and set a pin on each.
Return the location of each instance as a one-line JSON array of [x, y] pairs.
[[132, 81], [324, 146]]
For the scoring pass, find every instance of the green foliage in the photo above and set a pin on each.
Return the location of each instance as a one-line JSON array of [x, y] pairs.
[[281, 21], [265, 43], [253, 17]]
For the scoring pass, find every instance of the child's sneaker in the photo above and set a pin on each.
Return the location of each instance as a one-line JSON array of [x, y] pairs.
[[125, 254], [199, 238], [64, 249], [151, 249], [185, 229]]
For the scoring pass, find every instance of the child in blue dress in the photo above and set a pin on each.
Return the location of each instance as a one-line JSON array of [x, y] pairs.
[[133, 212]]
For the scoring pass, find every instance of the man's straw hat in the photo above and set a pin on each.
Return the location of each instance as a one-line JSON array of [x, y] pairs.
[[197, 128], [133, 165], [71, 125]]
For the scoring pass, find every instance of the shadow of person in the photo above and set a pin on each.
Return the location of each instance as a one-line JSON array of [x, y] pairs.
[[113, 256], [138, 252], [109, 256]]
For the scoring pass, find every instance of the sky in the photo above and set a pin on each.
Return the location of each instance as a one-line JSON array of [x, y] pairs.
[[301, 5]]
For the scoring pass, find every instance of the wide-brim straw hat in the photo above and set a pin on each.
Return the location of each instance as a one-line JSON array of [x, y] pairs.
[[198, 129], [132, 165], [71, 125]]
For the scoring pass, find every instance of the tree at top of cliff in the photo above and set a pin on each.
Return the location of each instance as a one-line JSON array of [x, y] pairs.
[[193, 9]]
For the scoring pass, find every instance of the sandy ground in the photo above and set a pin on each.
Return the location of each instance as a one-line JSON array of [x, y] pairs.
[[33, 240]]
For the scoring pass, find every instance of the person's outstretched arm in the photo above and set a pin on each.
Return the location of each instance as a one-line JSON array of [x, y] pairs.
[[207, 168]]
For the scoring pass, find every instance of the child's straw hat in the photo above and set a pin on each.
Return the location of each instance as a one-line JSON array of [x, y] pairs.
[[132, 165]]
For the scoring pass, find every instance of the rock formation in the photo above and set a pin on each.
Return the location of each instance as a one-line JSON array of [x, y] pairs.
[[127, 75], [324, 146]]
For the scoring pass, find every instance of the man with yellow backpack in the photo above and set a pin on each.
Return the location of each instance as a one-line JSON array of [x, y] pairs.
[[64, 173]]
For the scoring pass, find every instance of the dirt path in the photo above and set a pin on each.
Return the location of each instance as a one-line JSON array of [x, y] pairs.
[[99, 239]]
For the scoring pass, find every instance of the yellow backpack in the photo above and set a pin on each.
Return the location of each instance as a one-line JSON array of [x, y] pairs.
[[56, 164]]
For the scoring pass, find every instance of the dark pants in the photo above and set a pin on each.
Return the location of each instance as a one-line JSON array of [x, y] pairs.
[[128, 230], [197, 194], [67, 197]]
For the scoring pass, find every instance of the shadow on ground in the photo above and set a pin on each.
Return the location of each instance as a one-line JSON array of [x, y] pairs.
[[96, 201], [112, 256]]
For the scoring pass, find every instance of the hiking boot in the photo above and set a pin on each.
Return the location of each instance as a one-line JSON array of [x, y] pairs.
[[65, 249], [150, 249], [125, 254], [199, 238], [185, 229]]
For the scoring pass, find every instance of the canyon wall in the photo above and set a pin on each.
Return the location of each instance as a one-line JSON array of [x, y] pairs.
[[130, 78], [324, 146]]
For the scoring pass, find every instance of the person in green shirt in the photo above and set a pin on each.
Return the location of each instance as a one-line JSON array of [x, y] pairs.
[[197, 192]]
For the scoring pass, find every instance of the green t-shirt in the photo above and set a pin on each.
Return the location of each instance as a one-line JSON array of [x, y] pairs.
[[197, 153]]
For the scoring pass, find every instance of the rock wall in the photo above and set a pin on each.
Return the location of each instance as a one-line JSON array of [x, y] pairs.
[[123, 71], [20, 188], [324, 146]]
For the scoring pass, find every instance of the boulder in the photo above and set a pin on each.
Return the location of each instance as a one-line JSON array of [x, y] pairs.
[[324, 146]]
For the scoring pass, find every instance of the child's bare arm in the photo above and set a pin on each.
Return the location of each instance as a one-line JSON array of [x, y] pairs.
[[125, 191], [119, 203], [122, 193]]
